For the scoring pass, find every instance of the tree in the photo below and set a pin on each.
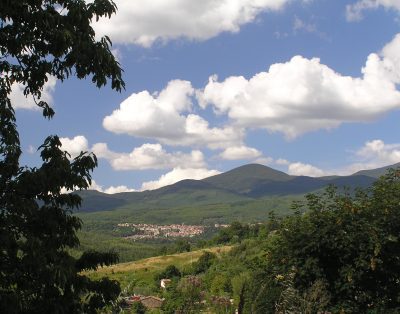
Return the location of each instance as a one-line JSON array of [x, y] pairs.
[[239, 286], [349, 243], [204, 262], [171, 271], [138, 308], [184, 296], [39, 39], [182, 246]]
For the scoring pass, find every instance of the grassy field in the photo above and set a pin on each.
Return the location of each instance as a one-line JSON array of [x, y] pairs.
[[138, 276], [100, 231], [127, 250]]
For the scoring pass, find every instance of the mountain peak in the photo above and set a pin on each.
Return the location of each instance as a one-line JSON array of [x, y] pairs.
[[243, 178]]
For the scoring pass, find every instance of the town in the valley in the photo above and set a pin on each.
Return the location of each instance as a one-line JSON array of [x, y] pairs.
[[153, 231]]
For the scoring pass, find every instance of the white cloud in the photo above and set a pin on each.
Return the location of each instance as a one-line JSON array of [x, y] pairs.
[[149, 156], [117, 54], [299, 24], [144, 22], [166, 117], [282, 162], [97, 187], [303, 95], [20, 101], [118, 189], [374, 154], [111, 189], [178, 174], [300, 169], [377, 154], [240, 152], [264, 160], [75, 145], [354, 11]]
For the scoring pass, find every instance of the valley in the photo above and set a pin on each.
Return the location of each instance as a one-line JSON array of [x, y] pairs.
[[247, 194], [200, 256]]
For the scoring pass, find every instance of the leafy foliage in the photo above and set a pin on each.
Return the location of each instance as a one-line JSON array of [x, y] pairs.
[[337, 253], [204, 262], [171, 271], [39, 39], [138, 308], [348, 242]]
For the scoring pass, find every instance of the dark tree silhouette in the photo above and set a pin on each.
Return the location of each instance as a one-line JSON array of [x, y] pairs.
[[39, 39]]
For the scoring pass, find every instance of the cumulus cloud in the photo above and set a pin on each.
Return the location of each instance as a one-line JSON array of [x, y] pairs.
[[300, 169], [149, 156], [240, 152], [144, 22], [111, 189], [75, 145], [118, 189], [304, 95], [178, 174], [264, 160], [376, 153], [167, 118], [282, 162], [20, 101], [354, 11]]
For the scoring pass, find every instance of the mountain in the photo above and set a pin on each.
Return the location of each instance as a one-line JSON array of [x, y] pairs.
[[303, 184], [97, 201], [182, 193], [243, 184], [376, 173], [243, 179]]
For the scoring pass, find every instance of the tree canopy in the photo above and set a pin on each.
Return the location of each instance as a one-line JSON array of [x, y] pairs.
[[337, 253], [40, 39]]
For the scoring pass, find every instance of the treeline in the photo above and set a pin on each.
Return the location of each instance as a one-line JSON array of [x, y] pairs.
[[129, 250], [338, 253]]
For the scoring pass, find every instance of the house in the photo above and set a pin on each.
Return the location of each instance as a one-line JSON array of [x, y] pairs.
[[152, 302], [128, 301], [164, 283]]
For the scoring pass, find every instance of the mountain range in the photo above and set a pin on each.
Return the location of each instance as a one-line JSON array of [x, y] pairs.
[[243, 184]]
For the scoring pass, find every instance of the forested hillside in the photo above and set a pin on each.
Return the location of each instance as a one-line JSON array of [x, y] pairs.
[[337, 253]]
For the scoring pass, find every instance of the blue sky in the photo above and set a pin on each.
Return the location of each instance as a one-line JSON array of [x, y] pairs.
[[307, 87]]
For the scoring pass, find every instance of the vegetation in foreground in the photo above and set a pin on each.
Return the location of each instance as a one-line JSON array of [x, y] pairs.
[[42, 40], [338, 252], [143, 275]]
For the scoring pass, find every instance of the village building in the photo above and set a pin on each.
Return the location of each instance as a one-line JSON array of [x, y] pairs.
[[164, 283], [152, 302]]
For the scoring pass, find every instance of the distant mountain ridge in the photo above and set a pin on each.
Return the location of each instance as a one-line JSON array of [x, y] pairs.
[[376, 173], [248, 182]]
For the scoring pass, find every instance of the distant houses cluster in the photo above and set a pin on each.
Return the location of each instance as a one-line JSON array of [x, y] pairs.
[[151, 231]]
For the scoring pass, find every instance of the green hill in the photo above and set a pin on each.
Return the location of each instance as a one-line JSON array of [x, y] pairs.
[[142, 272], [183, 193], [376, 173], [243, 179], [246, 193]]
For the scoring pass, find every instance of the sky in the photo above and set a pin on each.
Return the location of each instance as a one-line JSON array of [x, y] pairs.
[[308, 87]]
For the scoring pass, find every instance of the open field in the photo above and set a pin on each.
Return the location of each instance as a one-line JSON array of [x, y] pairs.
[[141, 273]]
